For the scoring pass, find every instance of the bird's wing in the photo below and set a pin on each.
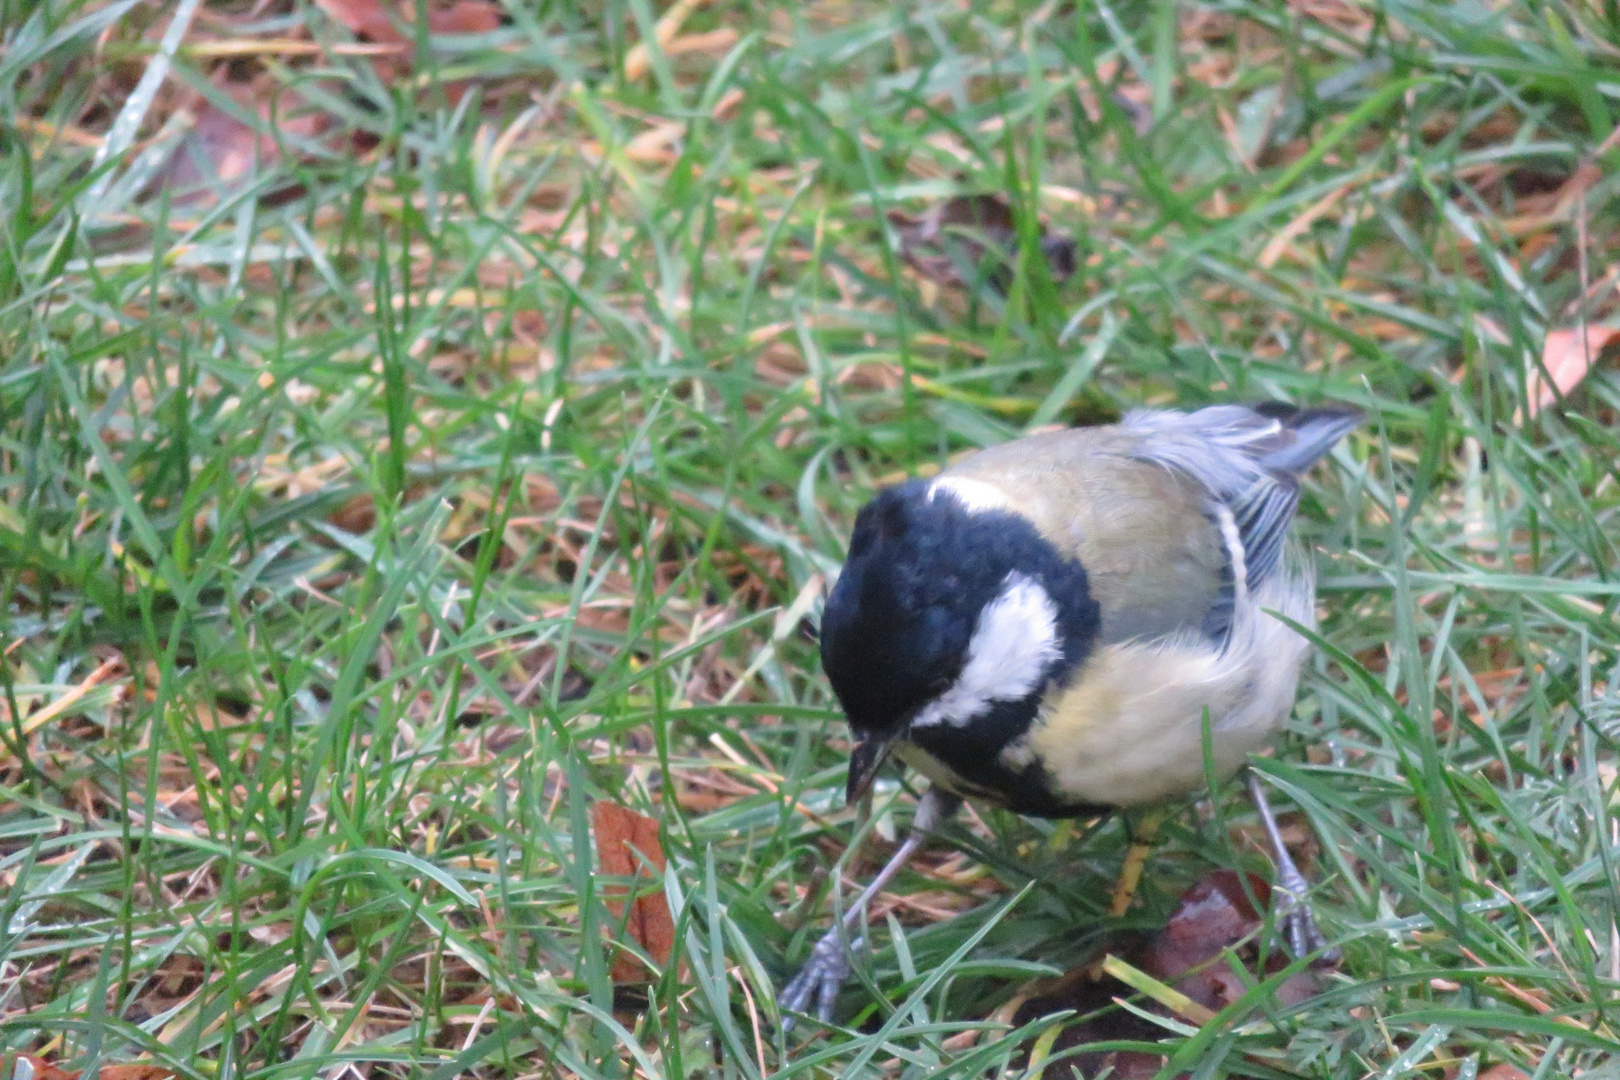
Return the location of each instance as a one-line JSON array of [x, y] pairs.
[[1172, 514], [1250, 460]]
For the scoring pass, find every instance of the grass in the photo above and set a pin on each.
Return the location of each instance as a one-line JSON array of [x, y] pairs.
[[469, 457]]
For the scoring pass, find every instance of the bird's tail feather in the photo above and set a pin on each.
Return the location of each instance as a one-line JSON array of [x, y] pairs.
[[1315, 431]]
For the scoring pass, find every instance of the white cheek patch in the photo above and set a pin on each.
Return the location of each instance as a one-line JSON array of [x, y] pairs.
[[1014, 642], [975, 496]]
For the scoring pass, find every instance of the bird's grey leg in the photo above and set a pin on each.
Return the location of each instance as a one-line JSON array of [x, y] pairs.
[[1294, 911], [824, 973]]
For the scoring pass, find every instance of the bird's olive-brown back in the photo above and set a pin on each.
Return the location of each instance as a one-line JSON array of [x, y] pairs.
[[1153, 556]]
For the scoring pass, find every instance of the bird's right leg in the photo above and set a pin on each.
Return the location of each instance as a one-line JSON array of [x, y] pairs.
[[1136, 856], [824, 973]]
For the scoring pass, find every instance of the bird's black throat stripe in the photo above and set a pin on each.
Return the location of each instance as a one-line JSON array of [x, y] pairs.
[[974, 754]]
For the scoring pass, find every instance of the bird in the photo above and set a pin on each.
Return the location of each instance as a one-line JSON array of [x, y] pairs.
[[1046, 624]]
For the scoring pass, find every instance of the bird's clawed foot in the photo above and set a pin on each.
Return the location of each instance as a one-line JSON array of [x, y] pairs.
[[1294, 916], [821, 977], [824, 973], [1296, 923]]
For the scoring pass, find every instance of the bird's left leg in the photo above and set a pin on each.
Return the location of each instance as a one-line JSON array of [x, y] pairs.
[[824, 973], [1294, 911]]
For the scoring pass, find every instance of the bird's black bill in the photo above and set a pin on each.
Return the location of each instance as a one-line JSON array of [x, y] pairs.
[[864, 762]]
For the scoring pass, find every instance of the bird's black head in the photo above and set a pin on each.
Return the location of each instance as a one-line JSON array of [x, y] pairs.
[[949, 603]]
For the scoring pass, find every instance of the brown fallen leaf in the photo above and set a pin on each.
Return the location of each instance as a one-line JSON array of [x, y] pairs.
[[1504, 1072], [221, 152], [627, 846], [638, 61], [365, 18], [43, 1070], [138, 1070], [1189, 953], [1567, 356], [1544, 212], [1211, 917], [129, 1070], [63, 706], [715, 43], [466, 17], [390, 23]]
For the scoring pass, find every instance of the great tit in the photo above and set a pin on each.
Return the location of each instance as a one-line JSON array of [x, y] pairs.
[[1047, 623]]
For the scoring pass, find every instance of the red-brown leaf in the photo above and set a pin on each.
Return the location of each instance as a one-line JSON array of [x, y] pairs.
[[466, 17], [220, 151], [627, 846], [1189, 953], [1567, 356], [137, 1070], [366, 18], [370, 19], [129, 1070], [43, 1070]]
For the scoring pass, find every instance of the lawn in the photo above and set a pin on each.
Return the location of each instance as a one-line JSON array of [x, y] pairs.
[[416, 430]]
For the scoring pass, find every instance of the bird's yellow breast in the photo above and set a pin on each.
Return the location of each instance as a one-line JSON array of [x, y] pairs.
[[1128, 727]]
